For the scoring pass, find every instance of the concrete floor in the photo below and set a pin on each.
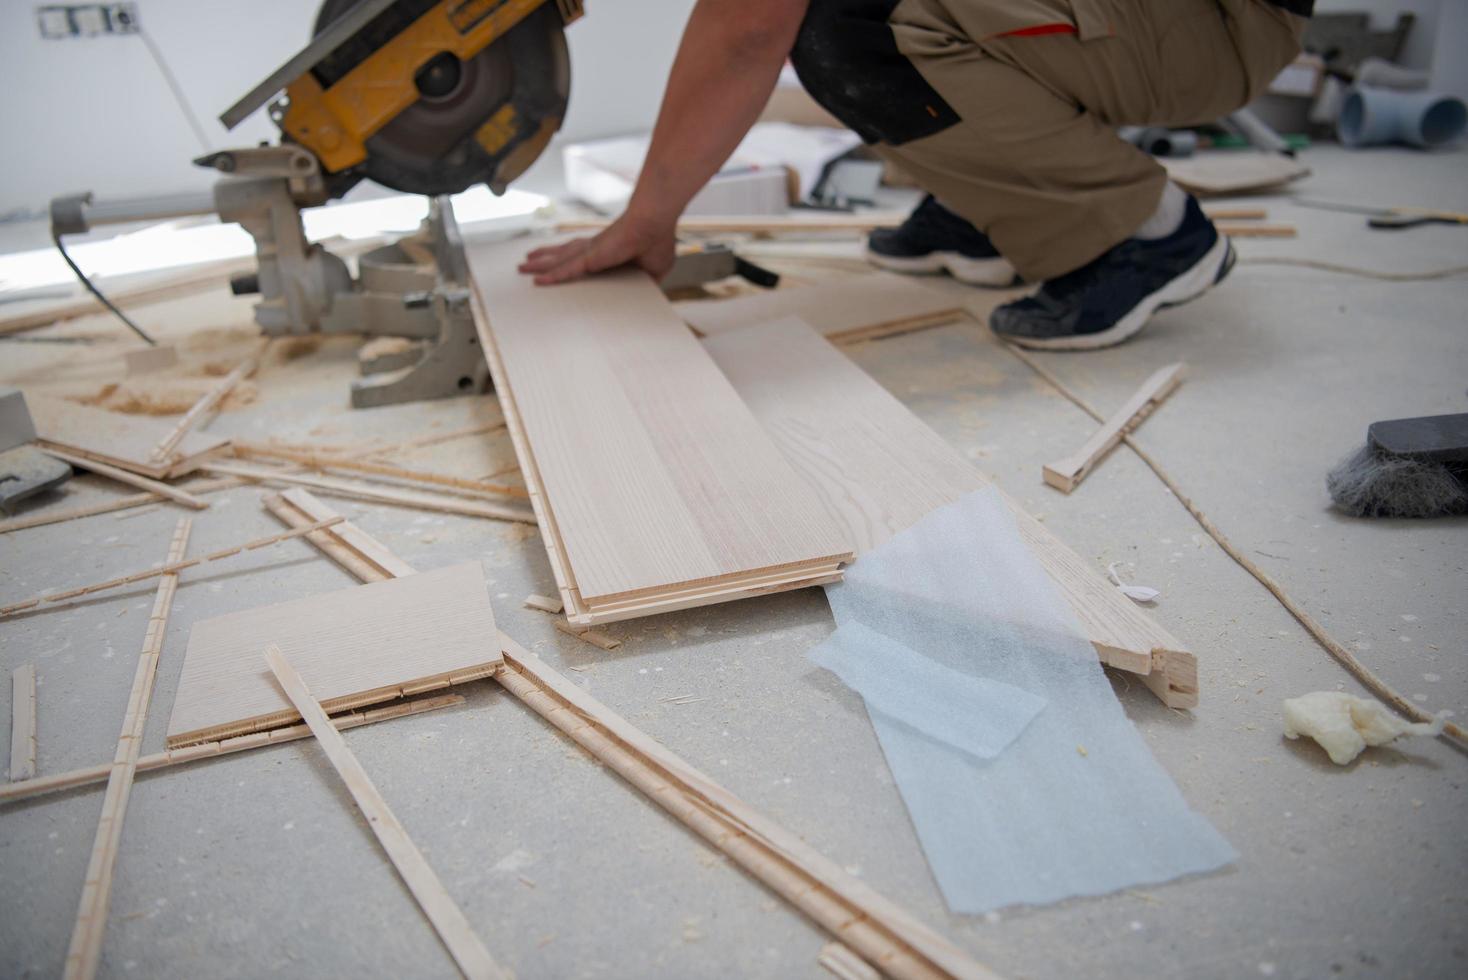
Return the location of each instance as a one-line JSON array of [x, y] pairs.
[[258, 865]]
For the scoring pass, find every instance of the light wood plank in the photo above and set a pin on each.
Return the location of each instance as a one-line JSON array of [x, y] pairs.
[[841, 962], [861, 307], [228, 746], [124, 441], [131, 479], [878, 469], [355, 646], [437, 905], [649, 476], [379, 493], [1066, 474], [1233, 171], [23, 722], [85, 951]]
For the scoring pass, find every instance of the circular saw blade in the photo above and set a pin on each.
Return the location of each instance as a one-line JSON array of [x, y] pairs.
[[432, 146]]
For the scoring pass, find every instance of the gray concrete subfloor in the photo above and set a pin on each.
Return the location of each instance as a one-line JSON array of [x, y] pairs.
[[258, 865]]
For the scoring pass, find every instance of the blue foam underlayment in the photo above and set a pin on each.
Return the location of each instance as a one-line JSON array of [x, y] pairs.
[[1075, 804]]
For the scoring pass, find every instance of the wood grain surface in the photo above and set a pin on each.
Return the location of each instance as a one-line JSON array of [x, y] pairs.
[[656, 476], [356, 646], [878, 469]]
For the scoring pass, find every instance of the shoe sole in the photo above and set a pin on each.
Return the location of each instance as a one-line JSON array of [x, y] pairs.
[[1204, 275], [993, 273]]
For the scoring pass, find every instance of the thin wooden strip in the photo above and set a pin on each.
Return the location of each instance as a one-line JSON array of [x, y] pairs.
[[51, 515], [841, 962], [327, 462], [168, 569], [131, 479], [437, 905], [1258, 231], [884, 935], [543, 603], [771, 224], [229, 746], [878, 469], [860, 307], [85, 950], [206, 404], [435, 439], [1066, 474], [361, 544], [441, 503], [23, 722]]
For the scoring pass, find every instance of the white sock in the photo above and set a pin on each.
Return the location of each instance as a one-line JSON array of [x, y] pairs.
[[1168, 217]]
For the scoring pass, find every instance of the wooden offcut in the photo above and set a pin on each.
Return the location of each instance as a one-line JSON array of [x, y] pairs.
[[23, 722], [878, 469], [860, 308], [438, 906], [124, 441], [357, 646], [1233, 171], [1066, 474], [85, 951], [654, 486], [131, 479]]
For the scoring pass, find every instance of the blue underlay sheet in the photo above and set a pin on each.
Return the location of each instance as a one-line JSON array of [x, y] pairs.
[[1018, 796]]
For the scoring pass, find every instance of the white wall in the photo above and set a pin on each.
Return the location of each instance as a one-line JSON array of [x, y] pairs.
[[95, 114], [1420, 40]]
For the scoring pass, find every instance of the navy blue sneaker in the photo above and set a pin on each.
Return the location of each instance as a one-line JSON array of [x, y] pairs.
[[934, 239], [1111, 298]]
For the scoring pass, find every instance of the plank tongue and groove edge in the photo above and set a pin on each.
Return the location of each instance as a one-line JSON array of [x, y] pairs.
[[356, 646], [654, 486], [878, 468], [124, 441], [859, 308]]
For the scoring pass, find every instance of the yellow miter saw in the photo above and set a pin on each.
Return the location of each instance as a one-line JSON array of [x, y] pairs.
[[423, 96]]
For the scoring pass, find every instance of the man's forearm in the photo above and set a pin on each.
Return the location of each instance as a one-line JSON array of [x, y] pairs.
[[726, 68]]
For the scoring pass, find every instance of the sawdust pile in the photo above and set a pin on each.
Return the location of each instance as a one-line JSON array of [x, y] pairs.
[[164, 397], [295, 347]]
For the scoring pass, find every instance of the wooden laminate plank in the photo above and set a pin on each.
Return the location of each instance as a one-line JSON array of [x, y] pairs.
[[1066, 474], [85, 950], [861, 307], [124, 441], [23, 722], [654, 475], [438, 906], [356, 646], [1233, 171], [878, 469]]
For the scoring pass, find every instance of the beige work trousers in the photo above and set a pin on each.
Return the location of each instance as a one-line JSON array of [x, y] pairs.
[[1035, 161]]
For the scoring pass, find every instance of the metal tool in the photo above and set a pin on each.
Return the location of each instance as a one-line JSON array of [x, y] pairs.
[[423, 96], [24, 470]]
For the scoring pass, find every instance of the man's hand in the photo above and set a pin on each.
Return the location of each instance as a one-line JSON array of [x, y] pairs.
[[726, 69], [647, 245]]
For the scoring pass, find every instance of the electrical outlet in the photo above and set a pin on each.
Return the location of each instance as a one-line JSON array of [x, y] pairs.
[[86, 20]]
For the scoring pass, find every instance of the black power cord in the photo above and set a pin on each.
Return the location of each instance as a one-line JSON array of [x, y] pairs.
[[82, 276]]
